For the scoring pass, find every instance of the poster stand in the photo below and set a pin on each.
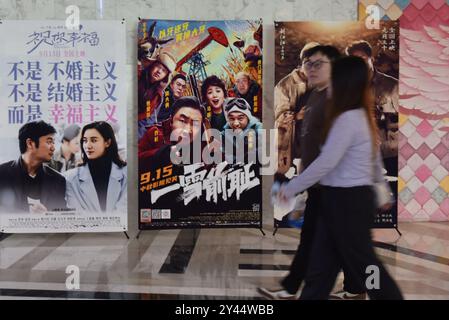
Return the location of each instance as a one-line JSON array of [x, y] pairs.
[[395, 227], [140, 231], [275, 230], [3, 235]]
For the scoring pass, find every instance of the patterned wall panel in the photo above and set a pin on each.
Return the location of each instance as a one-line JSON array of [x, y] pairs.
[[424, 106]]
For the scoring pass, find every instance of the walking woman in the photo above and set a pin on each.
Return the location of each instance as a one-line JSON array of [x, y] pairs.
[[99, 183], [347, 168]]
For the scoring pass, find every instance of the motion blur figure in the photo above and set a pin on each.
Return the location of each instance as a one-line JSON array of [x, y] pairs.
[[347, 168]]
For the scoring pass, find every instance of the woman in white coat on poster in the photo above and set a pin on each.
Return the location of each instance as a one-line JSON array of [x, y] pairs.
[[99, 183]]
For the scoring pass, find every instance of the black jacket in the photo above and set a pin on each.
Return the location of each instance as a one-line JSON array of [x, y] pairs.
[[12, 194], [312, 127]]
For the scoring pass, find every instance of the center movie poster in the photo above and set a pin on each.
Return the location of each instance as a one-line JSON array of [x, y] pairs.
[[62, 127], [380, 49], [199, 120]]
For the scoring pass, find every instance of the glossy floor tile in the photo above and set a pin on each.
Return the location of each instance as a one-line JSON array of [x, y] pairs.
[[200, 264]]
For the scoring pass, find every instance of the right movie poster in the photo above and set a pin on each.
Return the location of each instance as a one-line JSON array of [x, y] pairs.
[[379, 47]]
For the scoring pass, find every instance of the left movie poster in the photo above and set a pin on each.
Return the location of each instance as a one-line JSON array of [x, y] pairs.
[[199, 123], [62, 127]]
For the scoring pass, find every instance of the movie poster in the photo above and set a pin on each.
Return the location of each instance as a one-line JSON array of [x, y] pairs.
[[199, 122], [62, 127], [380, 49]]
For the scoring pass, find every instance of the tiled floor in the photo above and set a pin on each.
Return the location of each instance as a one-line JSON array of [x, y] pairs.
[[200, 264]]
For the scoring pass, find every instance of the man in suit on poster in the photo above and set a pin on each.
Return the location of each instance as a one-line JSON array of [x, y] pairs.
[[27, 185]]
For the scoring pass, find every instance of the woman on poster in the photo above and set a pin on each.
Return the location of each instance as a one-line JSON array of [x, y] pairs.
[[99, 183], [214, 93]]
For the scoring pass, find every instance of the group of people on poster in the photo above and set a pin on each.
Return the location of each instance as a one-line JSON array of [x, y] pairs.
[[179, 109], [294, 96], [223, 108], [292, 93], [85, 174]]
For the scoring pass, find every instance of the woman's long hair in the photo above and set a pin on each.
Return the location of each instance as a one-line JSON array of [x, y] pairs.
[[351, 90], [107, 133]]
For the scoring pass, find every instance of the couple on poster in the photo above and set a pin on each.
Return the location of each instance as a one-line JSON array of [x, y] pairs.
[[97, 184]]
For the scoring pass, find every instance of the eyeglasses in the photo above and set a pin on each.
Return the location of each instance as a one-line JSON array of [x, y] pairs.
[[239, 103], [309, 65]]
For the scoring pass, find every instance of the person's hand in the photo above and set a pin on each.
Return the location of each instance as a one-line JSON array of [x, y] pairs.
[[286, 119], [38, 208], [300, 114]]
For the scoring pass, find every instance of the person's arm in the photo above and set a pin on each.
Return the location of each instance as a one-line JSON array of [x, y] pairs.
[[148, 145], [283, 101], [338, 141]]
